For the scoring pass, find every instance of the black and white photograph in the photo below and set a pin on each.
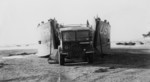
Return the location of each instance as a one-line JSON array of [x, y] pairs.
[[74, 41]]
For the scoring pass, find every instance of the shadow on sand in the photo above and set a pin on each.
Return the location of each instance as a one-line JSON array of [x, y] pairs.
[[121, 58]]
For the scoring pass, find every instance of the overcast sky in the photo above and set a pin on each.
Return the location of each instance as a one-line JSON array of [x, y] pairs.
[[19, 18]]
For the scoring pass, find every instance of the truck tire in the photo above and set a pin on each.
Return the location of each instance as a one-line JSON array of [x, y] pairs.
[[90, 58], [61, 59]]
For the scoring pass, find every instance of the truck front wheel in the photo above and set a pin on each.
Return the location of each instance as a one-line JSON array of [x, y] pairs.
[[90, 58], [61, 59]]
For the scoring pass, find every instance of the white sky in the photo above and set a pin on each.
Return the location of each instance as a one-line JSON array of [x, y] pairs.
[[19, 18]]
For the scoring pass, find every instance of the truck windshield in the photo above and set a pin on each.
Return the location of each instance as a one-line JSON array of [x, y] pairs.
[[83, 35], [69, 36]]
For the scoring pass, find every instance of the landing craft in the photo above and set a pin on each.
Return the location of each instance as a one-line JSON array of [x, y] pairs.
[[61, 42]]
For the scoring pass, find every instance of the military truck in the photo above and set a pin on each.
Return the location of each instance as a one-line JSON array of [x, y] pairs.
[[75, 42]]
